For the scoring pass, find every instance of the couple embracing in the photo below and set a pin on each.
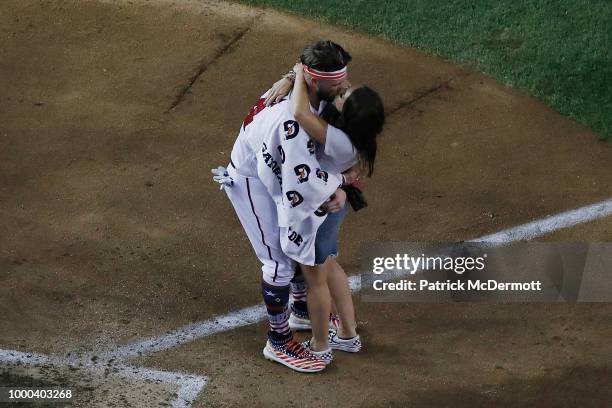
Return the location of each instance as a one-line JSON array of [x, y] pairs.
[[299, 155]]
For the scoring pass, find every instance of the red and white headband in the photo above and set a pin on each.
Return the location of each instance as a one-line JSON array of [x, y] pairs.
[[327, 76]]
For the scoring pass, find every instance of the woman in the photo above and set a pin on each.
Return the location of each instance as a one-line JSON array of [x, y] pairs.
[[349, 148]]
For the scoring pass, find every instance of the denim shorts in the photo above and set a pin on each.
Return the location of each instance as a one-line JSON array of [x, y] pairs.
[[326, 241]]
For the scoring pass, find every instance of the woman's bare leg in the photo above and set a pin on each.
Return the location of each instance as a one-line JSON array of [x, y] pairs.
[[319, 304], [341, 294]]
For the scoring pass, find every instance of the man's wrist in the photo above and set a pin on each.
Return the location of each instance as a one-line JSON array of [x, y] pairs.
[[290, 75]]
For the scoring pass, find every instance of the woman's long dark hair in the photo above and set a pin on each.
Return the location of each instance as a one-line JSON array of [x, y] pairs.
[[362, 119]]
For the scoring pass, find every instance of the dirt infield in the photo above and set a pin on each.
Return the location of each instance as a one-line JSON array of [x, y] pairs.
[[112, 114]]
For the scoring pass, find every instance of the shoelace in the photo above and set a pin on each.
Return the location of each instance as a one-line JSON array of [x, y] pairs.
[[298, 349], [295, 348]]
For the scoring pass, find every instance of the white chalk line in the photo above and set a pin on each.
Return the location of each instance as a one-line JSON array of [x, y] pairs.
[[13, 356], [550, 224], [190, 386], [191, 332], [256, 313]]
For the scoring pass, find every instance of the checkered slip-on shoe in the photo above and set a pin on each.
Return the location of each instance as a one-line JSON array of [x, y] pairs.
[[352, 345], [325, 355]]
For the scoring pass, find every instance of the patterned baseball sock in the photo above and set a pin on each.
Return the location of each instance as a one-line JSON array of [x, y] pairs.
[[276, 299], [298, 291]]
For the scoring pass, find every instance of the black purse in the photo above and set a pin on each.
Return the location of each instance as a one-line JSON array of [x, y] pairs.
[[355, 197]]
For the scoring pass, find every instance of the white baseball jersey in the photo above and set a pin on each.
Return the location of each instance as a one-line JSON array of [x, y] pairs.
[[339, 154], [272, 147], [288, 166], [243, 157]]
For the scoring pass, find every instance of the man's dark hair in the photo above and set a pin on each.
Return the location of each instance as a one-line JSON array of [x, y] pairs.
[[325, 56]]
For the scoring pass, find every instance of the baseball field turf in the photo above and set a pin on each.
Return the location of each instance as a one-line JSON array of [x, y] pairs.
[[557, 51]]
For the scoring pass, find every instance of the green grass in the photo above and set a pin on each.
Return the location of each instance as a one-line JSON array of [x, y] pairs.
[[559, 51]]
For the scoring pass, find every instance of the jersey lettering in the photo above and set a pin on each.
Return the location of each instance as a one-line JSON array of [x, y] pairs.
[[294, 237], [292, 128], [302, 171], [294, 198]]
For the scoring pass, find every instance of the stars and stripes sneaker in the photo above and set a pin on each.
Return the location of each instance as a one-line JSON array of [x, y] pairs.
[[352, 345], [325, 355], [295, 356], [298, 322]]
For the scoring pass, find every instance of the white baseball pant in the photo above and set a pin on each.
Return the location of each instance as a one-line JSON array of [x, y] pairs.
[[257, 214]]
